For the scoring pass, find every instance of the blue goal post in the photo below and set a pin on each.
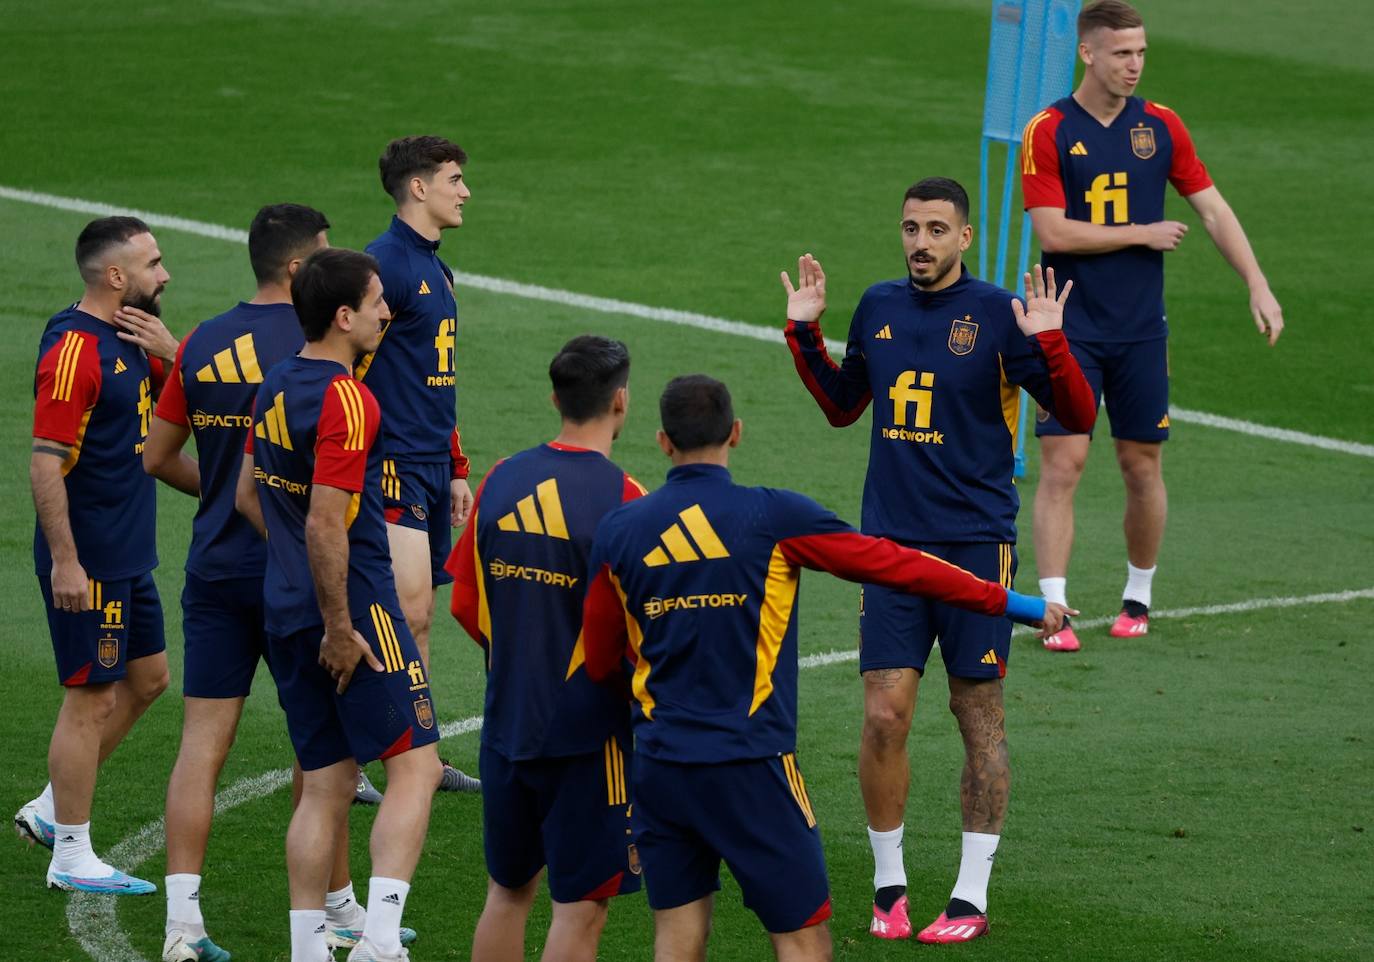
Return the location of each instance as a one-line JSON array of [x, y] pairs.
[[1031, 55]]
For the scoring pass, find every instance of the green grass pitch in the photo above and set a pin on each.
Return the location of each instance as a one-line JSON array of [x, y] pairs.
[[1203, 794]]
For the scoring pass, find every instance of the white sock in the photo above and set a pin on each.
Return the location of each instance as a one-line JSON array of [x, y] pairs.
[[341, 907], [386, 900], [888, 868], [1053, 589], [47, 808], [975, 868], [307, 936], [1138, 581], [72, 852], [183, 902]]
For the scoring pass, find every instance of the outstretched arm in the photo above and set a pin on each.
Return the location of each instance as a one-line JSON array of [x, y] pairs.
[[841, 390], [1224, 228], [1058, 385]]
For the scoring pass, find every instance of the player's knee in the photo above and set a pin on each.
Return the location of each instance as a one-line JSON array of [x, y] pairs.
[[149, 687], [886, 723], [90, 704]]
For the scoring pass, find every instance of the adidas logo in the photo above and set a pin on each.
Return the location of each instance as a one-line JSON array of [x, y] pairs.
[[1078, 150], [885, 334], [680, 548], [222, 368], [120, 366], [194, 896], [990, 658], [67, 838], [1163, 422], [544, 518], [320, 930], [392, 899], [424, 288], [272, 427]]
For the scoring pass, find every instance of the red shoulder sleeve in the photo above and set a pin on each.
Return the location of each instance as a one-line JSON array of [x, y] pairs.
[[1187, 172], [604, 632], [171, 406], [632, 489], [349, 421], [462, 564], [157, 372], [67, 386], [1040, 182]]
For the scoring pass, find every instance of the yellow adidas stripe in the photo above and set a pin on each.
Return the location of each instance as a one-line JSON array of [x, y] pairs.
[[65, 374]]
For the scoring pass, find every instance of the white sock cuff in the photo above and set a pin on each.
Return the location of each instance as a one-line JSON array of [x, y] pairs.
[[1138, 584], [888, 865], [381, 881], [337, 898], [1055, 590]]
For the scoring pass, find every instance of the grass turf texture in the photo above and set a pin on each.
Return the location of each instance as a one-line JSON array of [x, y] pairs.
[[1203, 794]]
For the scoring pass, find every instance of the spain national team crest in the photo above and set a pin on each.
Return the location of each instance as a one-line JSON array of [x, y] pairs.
[[107, 652], [1143, 142], [635, 867], [962, 335], [424, 713], [1041, 415], [418, 511]]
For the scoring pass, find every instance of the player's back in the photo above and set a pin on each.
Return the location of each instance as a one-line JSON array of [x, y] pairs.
[[710, 601], [314, 424], [1111, 175], [537, 514], [94, 392], [412, 370], [218, 370]]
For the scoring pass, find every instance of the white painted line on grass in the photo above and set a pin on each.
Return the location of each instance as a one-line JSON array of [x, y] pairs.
[[1237, 607], [665, 315], [92, 918]]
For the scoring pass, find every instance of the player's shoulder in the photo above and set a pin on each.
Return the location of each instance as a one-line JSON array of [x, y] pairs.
[[1043, 124], [993, 299], [348, 387], [67, 328], [884, 291], [1167, 114]]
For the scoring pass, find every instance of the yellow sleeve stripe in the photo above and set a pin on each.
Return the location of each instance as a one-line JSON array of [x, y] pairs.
[[354, 414], [1028, 142], [65, 376]]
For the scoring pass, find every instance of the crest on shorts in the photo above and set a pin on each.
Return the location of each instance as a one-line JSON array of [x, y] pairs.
[[107, 652], [633, 854], [424, 713], [418, 511], [1041, 415], [962, 334], [1143, 142]]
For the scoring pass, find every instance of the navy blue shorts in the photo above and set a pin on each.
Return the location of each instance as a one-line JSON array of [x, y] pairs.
[[417, 494], [571, 813], [755, 815], [1134, 377], [379, 715], [124, 623], [222, 622], [897, 630]]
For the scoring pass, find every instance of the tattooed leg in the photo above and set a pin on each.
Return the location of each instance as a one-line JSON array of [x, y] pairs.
[[986, 782], [884, 774]]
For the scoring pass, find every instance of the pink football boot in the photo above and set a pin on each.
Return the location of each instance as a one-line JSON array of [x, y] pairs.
[[944, 931], [894, 924]]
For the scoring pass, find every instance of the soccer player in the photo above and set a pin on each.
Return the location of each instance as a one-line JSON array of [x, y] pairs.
[[424, 481], [94, 544], [1093, 172], [697, 585], [942, 353], [209, 393], [311, 480], [555, 745]]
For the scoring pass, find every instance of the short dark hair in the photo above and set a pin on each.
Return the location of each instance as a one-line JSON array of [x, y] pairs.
[[1112, 14], [330, 278], [96, 239], [586, 373], [407, 157], [940, 188], [696, 412], [279, 234]]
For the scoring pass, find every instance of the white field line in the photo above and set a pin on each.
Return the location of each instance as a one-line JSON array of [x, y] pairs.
[[95, 926], [608, 305]]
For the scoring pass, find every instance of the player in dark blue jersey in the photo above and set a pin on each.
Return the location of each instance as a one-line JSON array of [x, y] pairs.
[[555, 745], [94, 543], [941, 355], [209, 394], [311, 481], [697, 586], [413, 376], [1094, 170]]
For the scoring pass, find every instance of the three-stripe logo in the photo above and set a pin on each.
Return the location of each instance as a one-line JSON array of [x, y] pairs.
[[538, 513], [222, 369], [677, 547], [272, 427]]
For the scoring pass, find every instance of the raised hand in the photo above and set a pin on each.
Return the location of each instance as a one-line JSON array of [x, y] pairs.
[[1042, 311], [147, 331], [806, 301]]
